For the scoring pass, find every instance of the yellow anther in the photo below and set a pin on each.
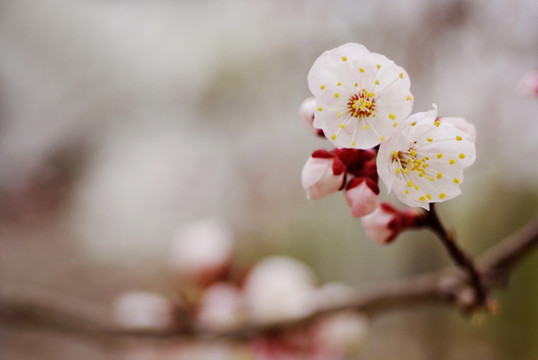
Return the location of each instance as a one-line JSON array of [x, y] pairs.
[[338, 83], [322, 87], [413, 152], [409, 98], [377, 82], [409, 183], [456, 181], [356, 85], [361, 70], [459, 138], [354, 106], [378, 66], [429, 139], [341, 126], [437, 123], [353, 143], [344, 58], [442, 196], [461, 155], [439, 175], [429, 196], [366, 127], [382, 138], [394, 154], [439, 156], [320, 109], [395, 124], [406, 171], [339, 114], [416, 187], [398, 170], [407, 191], [336, 95], [452, 162], [413, 123], [429, 178], [333, 137], [392, 116], [422, 198], [401, 75]]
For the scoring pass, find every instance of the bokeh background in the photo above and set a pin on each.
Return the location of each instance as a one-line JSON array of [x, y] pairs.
[[122, 121]]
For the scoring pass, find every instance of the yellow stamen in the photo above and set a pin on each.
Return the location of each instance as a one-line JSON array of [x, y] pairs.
[[392, 116]]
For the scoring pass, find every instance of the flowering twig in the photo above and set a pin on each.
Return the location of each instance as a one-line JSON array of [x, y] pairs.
[[52, 311], [458, 255]]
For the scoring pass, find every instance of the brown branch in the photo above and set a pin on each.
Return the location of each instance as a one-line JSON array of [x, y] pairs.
[[448, 286], [458, 255]]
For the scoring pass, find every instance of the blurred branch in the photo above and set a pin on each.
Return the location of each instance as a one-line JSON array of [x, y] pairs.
[[37, 307]]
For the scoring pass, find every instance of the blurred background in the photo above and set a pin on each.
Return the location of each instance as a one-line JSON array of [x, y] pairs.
[[123, 121]]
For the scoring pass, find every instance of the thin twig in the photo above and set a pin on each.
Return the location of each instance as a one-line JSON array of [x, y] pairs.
[[458, 255]]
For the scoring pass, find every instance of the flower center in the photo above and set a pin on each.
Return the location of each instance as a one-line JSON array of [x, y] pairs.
[[361, 104], [408, 161]]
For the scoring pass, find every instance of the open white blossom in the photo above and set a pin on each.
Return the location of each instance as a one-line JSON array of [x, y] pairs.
[[362, 97], [423, 162]]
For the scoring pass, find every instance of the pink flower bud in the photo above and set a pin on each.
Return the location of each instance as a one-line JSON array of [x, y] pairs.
[[201, 252], [221, 307], [279, 288], [528, 85], [386, 222], [362, 196], [307, 110], [323, 173], [460, 123], [143, 310]]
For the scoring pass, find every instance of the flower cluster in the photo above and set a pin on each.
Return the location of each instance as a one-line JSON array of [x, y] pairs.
[[216, 296], [362, 104]]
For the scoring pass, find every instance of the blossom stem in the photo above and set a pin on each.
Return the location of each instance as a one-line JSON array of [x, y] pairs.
[[458, 255]]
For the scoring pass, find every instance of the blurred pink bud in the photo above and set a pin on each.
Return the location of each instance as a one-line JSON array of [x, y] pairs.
[[460, 123], [386, 222], [143, 310], [221, 308], [278, 288], [201, 252], [362, 196], [307, 110], [528, 85], [342, 335], [323, 174]]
